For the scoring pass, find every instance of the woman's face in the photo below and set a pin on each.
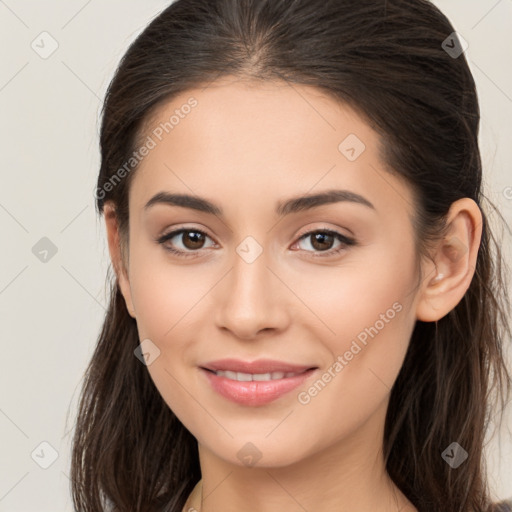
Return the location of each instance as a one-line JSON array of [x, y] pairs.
[[266, 281]]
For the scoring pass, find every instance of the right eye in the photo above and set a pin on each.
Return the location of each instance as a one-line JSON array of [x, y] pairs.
[[192, 242]]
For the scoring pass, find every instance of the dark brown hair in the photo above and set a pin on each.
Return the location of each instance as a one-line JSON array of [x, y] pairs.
[[387, 61]]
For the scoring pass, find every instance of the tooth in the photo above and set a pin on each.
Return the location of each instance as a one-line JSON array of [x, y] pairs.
[[261, 376], [247, 377]]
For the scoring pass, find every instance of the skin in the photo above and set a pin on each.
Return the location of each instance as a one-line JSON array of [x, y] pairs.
[[246, 147]]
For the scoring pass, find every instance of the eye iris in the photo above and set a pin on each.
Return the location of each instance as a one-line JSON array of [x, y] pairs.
[[321, 237], [196, 239]]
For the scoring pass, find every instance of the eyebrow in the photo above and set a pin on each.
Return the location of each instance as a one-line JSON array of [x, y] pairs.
[[292, 205]]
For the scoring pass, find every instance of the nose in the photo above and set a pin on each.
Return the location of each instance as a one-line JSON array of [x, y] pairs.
[[251, 299]]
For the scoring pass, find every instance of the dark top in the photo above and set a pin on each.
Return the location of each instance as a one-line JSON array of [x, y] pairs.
[[503, 506]]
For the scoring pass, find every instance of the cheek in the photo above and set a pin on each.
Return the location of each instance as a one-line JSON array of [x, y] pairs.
[[163, 293], [368, 296], [165, 299], [169, 301], [371, 319]]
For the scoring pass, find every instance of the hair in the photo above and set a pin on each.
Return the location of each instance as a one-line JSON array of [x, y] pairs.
[[386, 61]]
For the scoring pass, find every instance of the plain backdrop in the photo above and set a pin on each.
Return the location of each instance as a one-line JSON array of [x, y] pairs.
[[52, 303]]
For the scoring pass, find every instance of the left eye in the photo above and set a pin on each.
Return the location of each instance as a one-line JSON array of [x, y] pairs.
[[322, 238], [194, 240]]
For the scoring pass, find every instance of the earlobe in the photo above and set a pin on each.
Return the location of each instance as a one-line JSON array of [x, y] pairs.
[[454, 262], [114, 247]]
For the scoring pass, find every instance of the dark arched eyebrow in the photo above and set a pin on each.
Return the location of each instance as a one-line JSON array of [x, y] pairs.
[[306, 202], [292, 205]]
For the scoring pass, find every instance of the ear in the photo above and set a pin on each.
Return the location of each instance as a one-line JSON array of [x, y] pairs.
[[454, 262], [116, 254]]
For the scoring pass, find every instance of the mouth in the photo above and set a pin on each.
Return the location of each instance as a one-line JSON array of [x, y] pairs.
[[260, 377], [256, 389]]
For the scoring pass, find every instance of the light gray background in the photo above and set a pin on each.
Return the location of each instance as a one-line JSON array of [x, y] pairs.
[[51, 312]]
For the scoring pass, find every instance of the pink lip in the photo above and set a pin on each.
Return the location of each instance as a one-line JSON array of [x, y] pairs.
[[255, 393], [259, 366]]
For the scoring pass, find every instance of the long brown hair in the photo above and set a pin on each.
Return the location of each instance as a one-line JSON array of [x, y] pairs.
[[390, 62]]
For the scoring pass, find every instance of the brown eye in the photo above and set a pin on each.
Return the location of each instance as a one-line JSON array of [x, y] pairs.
[[192, 239], [322, 241], [184, 242]]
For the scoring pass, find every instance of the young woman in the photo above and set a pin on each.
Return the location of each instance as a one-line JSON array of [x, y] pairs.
[[308, 310]]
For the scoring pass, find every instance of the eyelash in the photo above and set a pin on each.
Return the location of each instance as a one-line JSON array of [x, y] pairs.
[[345, 242]]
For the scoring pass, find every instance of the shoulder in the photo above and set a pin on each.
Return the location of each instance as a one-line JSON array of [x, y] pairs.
[[503, 506], [193, 503]]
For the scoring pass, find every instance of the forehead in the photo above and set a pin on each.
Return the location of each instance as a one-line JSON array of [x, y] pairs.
[[262, 139], [249, 116]]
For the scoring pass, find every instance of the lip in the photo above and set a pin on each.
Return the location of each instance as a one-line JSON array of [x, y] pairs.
[[259, 366], [255, 393]]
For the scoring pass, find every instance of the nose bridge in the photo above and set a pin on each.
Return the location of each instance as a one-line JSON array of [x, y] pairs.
[[250, 274], [250, 299]]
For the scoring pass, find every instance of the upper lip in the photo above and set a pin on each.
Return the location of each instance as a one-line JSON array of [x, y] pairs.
[[259, 366]]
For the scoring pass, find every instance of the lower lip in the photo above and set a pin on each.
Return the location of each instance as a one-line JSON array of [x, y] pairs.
[[255, 392]]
